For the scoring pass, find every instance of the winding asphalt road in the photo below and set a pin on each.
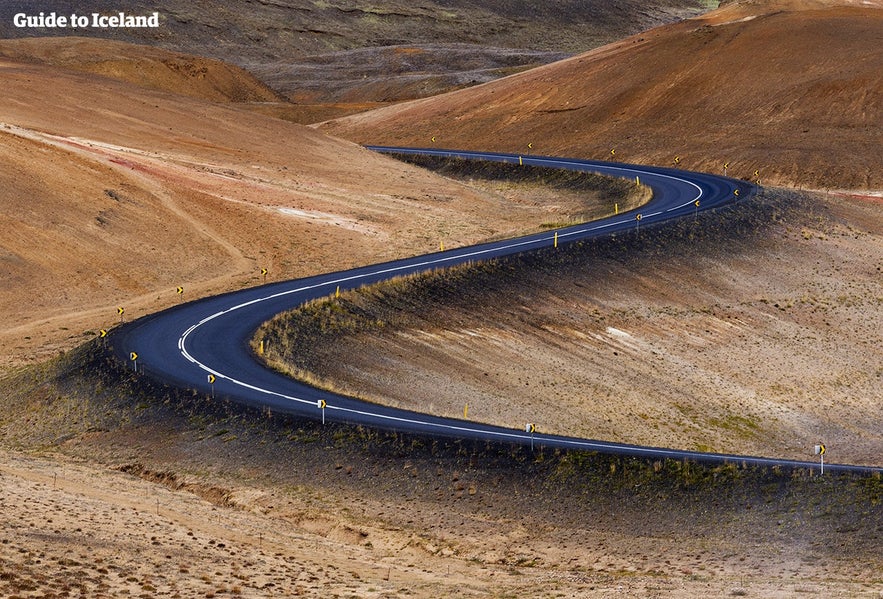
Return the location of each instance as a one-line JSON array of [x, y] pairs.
[[183, 345]]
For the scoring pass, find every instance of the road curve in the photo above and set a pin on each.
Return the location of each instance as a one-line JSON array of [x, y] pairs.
[[184, 345]]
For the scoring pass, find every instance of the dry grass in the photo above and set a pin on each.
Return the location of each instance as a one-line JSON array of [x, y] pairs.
[[147, 490], [727, 335]]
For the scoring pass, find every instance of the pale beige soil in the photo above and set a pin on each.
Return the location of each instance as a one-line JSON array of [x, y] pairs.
[[334, 527], [762, 341]]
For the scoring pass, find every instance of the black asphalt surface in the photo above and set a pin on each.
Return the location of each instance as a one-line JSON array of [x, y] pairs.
[[183, 345]]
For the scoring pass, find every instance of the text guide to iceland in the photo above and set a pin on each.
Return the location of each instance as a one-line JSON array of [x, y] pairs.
[[54, 20]]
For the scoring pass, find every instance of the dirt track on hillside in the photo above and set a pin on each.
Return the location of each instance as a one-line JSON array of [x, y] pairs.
[[130, 193]]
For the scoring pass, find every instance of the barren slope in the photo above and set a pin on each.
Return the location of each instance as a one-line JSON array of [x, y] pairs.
[[279, 31], [791, 89], [116, 194], [758, 332], [336, 58], [176, 495], [143, 65]]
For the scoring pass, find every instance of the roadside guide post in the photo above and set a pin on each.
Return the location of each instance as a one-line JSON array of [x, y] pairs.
[[211, 381], [530, 428], [322, 405], [820, 451]]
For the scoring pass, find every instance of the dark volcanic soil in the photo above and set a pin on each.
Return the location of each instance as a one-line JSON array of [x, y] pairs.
[[358, 52]]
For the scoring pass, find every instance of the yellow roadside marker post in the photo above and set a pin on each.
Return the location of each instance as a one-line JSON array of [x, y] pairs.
[[820, 451], [531, 428], [211, 381], [134, 357], [322, 405]]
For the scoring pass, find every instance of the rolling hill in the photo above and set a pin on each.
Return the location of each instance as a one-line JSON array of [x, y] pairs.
[[344, 52], [124, 178], [115, 194], [789, 89], [144, 66]]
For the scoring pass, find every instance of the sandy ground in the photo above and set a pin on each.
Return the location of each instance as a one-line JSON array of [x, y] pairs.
[[109, 185], [71, 528]]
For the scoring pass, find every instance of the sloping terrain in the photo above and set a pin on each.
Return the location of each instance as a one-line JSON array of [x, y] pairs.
[[153, 492], [143, 65], [337, 57], [277, 31], [789, 89], [114, 195], [754, 331]]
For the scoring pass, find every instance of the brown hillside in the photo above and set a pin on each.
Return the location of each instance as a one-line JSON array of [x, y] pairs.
[[143, 65], [114, 195], [792, 89], [334, 57]]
